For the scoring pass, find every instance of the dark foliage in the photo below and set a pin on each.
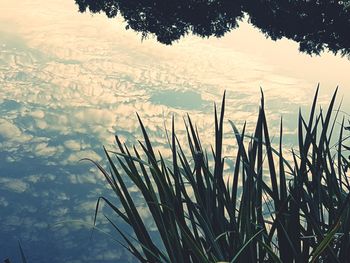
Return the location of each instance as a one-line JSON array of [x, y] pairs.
[[314, 24]]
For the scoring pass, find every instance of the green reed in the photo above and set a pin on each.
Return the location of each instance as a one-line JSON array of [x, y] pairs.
[[270, 209]]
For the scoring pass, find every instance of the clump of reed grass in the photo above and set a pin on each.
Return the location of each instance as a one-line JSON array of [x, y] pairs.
[[270, 210]]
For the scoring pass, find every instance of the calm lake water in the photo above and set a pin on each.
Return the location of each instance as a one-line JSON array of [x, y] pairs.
[[70, 81]]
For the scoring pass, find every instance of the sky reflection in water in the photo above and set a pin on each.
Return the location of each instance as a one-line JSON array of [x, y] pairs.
[[69, 82]]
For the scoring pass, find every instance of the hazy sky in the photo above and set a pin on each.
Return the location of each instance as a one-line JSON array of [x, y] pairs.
[[58, 24]]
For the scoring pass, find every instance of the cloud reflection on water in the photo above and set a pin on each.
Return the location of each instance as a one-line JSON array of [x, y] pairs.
[[69, 82]]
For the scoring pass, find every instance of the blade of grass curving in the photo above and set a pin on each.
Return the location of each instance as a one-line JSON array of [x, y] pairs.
[[196, 251], [282, 182], [146, 138], [327, 119], [324, 243], [194, 135], [130, 163], [197, 156], [313, 107], [115, 209], [311, 119], [23, 257], [219, 191], [294, 227], [204, 221], [161, 184], [257, 156], [197, 135], [269, 250], [179, 212], [169, 215], [194, 226], [288, 245], [339, 155], [245, 158], [246, 244], [302, 177], [335, 119], [146, 177], [331, 173], [165, 195], [272, 171], [176, 173], [276, 152], [237, 169], [132, 213], [132, 248], [283, 239]]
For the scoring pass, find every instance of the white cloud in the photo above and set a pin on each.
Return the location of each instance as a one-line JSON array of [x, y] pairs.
[[88, 206], [14, 185], [59, 212], [8, 130], [75, 157], [72, 145], [11, 136], [42, 149], [37, 114], [35, 178], [95, 116], [3, 202], [41, 124]]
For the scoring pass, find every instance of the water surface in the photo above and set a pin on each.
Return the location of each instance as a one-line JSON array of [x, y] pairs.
[[69, 82]]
